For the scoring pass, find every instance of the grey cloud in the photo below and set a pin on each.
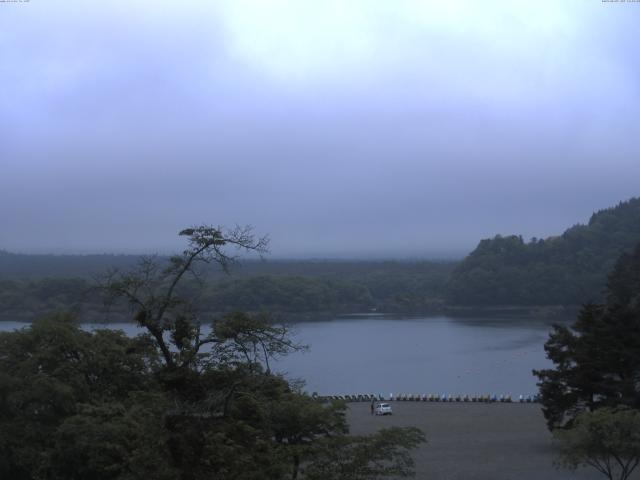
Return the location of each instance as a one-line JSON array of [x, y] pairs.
[[118, 132]]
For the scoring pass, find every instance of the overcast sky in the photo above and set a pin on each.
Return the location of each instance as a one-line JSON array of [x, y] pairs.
[[342, 128]]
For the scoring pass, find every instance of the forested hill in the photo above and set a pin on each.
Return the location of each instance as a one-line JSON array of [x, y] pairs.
[[21, 266], [15, 266], [33, 285], [569, 269]]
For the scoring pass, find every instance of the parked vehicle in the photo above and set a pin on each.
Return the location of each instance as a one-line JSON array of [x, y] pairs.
[[383, 409]]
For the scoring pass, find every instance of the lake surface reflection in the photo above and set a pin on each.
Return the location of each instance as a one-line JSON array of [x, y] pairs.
[[384, 354]]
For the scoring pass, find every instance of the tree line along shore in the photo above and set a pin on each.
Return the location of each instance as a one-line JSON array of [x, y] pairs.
[[505, 274]]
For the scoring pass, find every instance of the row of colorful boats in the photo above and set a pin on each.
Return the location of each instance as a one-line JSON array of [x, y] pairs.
[[412, 397]]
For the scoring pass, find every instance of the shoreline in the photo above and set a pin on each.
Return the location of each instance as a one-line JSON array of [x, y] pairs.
[[544, 312]]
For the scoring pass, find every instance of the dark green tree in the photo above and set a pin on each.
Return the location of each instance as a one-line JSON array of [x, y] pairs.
[[186, 400], [568, 269], [607, 440], [55, 377], [153, 289], [597, 359]]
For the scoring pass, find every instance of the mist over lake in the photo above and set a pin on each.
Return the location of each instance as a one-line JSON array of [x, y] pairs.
[[384, 354], [420, 355]]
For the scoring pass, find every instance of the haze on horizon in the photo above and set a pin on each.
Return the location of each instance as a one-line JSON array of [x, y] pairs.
[[358, 129]]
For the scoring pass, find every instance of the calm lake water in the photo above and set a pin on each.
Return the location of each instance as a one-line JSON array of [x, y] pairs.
[[439, 354]]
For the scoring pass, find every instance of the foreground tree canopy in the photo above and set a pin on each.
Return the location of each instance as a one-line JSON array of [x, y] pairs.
[[607, 440], [186, 400], [597, 359]]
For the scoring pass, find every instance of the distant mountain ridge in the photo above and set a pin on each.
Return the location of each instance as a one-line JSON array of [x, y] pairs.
[[32, 266], [569, 269]]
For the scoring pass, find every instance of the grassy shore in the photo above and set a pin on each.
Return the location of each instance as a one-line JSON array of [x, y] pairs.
[[471, 441]]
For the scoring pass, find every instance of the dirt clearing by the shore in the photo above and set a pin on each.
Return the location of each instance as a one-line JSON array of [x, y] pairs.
[[474, 441]]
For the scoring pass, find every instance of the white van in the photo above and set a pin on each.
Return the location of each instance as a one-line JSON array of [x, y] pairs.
[[383, 409]]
